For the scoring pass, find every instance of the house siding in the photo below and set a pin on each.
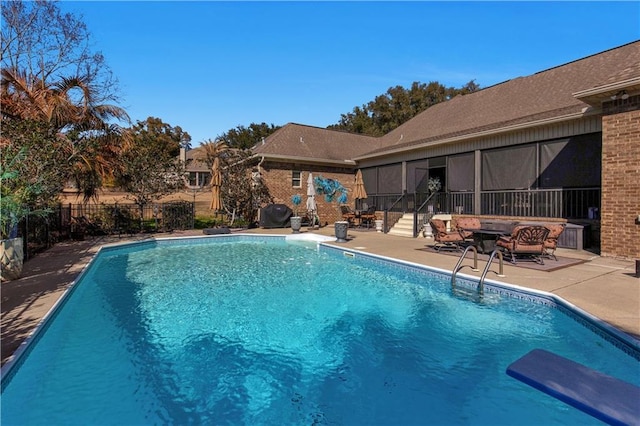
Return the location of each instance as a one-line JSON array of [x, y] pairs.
[[277, 177], [590, 124], [620, 233]]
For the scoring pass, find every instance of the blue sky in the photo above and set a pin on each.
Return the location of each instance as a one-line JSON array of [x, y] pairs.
[[209, 67]]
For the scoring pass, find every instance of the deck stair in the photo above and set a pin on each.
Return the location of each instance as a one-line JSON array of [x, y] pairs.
[[403, 227]]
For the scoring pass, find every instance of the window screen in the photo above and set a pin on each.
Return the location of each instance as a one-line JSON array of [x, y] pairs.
[[370, 178], [573, 162], [509, 168], [390, 179], [461, 172], [417, 174]]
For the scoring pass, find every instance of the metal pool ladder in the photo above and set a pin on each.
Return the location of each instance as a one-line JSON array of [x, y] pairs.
[[459, 266]]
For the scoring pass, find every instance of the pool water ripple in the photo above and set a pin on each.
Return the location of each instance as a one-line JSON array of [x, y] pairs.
[[275, 333]]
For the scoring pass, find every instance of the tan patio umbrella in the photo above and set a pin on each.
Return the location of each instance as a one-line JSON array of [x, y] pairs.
[[359, 192], [216, 182]]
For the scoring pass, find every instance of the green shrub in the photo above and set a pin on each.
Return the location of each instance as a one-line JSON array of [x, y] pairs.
[[202, 222]]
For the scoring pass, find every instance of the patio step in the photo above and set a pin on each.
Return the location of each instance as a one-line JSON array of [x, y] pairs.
[[403, 227]]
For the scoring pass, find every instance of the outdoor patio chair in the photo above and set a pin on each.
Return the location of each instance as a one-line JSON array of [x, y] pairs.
[[348, 214], [368, 217], [525, 240], [551, 243], [466, 225], [445, 240]]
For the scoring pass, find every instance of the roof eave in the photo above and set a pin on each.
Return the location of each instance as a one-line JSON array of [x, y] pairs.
[[304, 160], [596, 95], [587, 111]]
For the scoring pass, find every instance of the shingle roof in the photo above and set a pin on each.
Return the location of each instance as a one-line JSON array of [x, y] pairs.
[[315, 144], [546, 94], [198, 160]]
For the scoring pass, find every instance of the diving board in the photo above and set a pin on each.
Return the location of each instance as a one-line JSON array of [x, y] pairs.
[[606, 398]]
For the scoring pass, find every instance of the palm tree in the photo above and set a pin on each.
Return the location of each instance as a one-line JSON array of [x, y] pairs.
[[213, 150], [83, 129]]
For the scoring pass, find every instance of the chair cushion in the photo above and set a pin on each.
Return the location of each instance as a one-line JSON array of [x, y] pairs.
[[468, 223], [449, 237], [505, 242], [555, 230], [438, 226]]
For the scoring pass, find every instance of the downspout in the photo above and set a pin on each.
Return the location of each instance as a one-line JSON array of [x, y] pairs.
[[260, 174]]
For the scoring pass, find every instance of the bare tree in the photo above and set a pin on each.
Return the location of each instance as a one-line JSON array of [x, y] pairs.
[[44, 44]]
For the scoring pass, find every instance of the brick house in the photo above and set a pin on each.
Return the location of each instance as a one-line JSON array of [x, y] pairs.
[[561, 143], [287, 157]]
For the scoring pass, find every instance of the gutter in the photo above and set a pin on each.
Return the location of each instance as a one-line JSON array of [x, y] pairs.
[[586, 111], [306, 160], [612, 87]]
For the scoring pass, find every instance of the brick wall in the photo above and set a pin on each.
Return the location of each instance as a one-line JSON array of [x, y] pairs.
[[620, 234], [277, 177]]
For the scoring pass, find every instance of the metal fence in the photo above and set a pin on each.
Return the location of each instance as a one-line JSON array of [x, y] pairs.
[[75, 221]]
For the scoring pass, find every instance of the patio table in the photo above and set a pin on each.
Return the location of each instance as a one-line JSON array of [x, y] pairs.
[[485, 239]]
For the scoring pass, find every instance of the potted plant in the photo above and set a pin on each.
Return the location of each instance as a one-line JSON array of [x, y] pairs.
[[296, 221], [14, 208], [11, 212], [434, 185], [11, 246]]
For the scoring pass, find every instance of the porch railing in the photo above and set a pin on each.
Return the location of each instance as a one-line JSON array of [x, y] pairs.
[[571, 204], [423, 214], [579, 203]]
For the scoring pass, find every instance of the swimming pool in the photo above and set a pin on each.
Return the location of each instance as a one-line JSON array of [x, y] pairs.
[[257, 330]]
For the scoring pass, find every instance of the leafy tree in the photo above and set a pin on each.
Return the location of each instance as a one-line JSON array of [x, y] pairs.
[[19, 191], [397, 106], [48, 45], [148, 168], [43, 162], [246, 137], [470, 87], [166, 136]]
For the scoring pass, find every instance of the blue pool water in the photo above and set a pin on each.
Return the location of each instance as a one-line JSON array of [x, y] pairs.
[[261, 331]]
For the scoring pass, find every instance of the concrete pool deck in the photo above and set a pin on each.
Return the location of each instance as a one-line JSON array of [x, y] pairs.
[[604, 287]]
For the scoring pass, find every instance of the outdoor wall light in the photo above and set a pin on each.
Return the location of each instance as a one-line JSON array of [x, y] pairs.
[[620, 95]]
